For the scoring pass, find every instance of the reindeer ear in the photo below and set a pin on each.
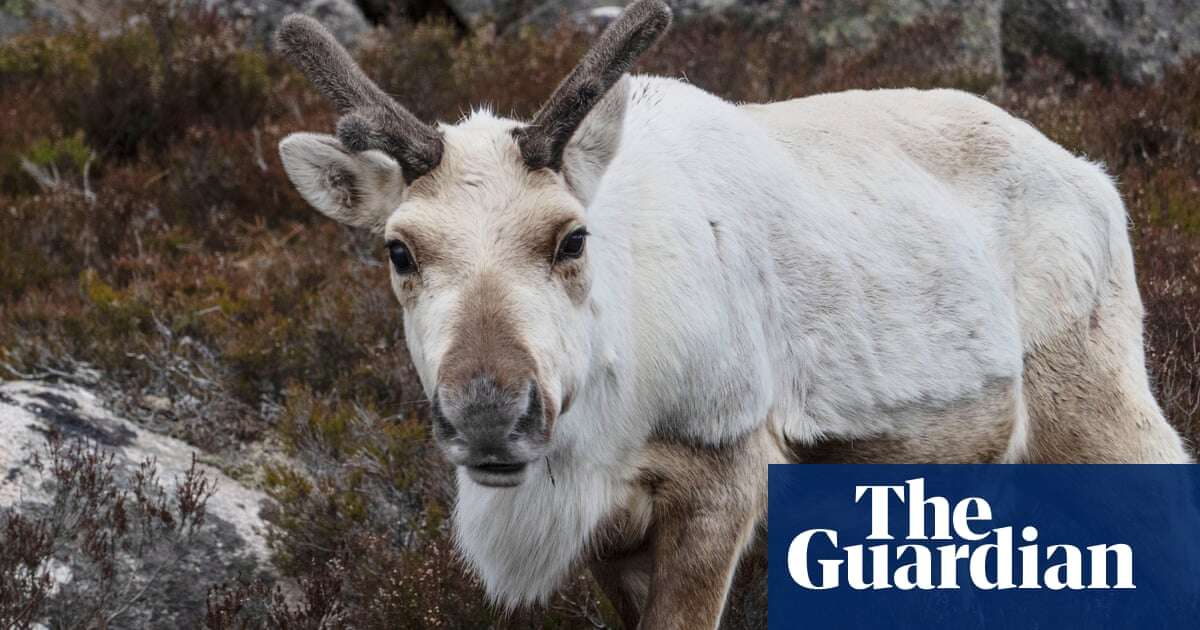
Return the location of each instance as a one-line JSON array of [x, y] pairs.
[[594, 144], [359, 189]]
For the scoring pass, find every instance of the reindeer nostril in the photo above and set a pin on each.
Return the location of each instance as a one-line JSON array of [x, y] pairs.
[[442, 427], [534, 418], [483, 421]]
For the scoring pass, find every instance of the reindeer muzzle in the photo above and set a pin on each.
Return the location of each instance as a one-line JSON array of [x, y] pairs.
[[491, 431]]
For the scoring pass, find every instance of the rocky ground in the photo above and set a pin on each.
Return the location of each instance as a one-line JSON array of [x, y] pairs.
[[230, 542], [1136, 39], [165, 294]]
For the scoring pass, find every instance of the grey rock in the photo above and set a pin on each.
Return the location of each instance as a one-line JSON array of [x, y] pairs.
[[861, 24], [1134, 39], [855, 24], [230, 543], [473, 12], [542, 12], [343, 17]]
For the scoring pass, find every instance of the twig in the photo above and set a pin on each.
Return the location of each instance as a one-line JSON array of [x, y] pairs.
[[47, 181], [258, 152], [87, 186]]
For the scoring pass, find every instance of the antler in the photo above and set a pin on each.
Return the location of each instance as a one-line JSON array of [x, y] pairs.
[[370, 118], [543, 141]]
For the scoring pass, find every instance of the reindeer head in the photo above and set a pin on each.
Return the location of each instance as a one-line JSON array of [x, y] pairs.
[[486, 225]]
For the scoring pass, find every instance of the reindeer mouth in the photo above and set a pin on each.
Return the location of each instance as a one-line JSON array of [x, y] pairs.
[[503, 469], [497, 475]]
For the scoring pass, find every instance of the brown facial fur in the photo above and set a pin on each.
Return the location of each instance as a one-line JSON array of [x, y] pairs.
[[486, 341], [482, 207], [484, 227]]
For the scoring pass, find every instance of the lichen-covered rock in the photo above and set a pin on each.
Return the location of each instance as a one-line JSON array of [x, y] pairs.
[[524, 11], [171, 579], [343, 17], [1134, 39], [848, 24], [862, 24]]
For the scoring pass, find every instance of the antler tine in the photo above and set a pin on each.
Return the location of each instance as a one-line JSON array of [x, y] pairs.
[[614, 53], [370, 118]]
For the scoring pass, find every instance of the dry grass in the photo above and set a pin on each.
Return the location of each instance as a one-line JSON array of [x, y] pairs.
[[162, 243]]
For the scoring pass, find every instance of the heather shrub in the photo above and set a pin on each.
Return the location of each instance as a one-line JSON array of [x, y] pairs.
[[346, 455], [25, 581], [70, 154], [113, 534], [167, 249], [175, 67]]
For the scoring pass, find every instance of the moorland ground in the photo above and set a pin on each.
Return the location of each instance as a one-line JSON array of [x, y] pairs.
[[147, 230]]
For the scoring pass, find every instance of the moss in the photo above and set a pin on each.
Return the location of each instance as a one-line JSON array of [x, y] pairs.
[[251, 74], [1182, 210], [70, 152], [99, 292], [116, 315], [1172, 200], [285, 484]]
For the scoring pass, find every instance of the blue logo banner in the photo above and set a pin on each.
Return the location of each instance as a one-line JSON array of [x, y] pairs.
[[1006, 546]]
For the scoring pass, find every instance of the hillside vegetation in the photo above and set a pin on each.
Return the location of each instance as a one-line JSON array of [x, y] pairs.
[[147, 230]]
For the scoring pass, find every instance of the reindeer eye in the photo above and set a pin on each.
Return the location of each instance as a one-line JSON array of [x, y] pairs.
[[402, 259], [572, 245]]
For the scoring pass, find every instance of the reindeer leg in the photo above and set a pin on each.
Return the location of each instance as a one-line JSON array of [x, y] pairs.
[[707, 503]]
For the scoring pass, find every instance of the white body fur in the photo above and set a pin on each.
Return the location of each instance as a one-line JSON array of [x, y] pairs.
[[915, 268], [866, 276], [828, 263]]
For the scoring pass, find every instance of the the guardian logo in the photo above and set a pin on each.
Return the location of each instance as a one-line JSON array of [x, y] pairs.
[[970, 551]]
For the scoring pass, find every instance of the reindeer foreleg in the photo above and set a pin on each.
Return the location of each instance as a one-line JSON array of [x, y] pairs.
[[707, 502]]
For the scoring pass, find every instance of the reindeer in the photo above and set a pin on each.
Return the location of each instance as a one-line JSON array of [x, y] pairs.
[[625, 308]]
